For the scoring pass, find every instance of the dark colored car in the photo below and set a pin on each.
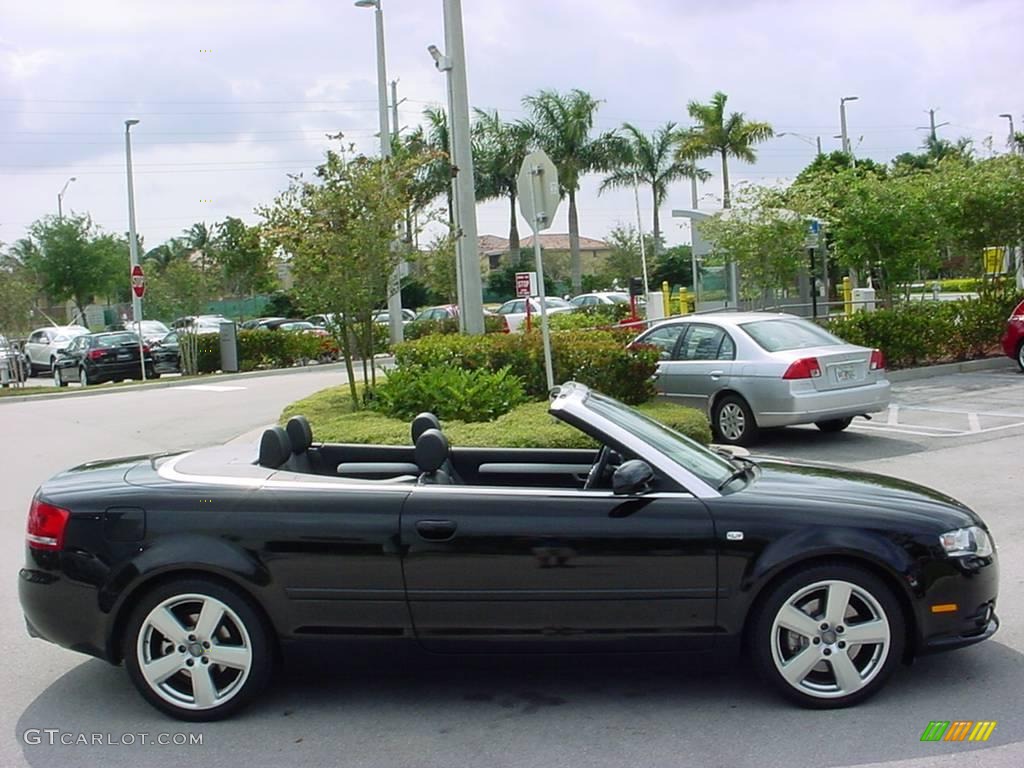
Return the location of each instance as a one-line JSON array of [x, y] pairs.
[[1013, 339], [199, 569], [167, 354], [94, 358]]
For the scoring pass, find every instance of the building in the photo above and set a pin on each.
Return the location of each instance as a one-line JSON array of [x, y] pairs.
[[494, 253]]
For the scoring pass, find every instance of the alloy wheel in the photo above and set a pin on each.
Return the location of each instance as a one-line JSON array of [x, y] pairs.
[[194, 652], [732, 422], [830, 639]]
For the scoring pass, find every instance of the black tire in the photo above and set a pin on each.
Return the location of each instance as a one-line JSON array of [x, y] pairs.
[[172, 696], [834, 425], [733, 422], [53, 365], [1020, 355], [58, 378], [83, 377], [820, 687]]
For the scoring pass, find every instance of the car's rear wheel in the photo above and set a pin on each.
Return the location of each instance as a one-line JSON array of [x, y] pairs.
[[1020, 355], [834, 425], [829, 636], [733, 421], [53, 365], [197, 650], [83, 377], [58, 379]]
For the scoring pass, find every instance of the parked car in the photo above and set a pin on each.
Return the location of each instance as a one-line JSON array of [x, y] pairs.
[[167, 354], [150, 330], [1013, 339], [93, 358], [321, 320], [44, 344], [827, 579], [514, 310], [600, 298], [203, 322], [13, 363], [259, 322], [384, 316], [441, 312], [754, 370]]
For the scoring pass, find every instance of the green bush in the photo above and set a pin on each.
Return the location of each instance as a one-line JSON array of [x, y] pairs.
[[417, 329], [927, 332], [599, 359], [450, 393], [262, 348]]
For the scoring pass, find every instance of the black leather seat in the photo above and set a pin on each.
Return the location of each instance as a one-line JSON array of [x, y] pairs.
[[300, 434], [431, 455], [421, 424], [275, 448]]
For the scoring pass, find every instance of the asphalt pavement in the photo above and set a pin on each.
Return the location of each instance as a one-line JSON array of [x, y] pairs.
[[552, 712]]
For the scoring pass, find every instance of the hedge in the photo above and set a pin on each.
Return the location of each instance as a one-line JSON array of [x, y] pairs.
[[599, 359], [927, 332], [527, 426], [261, 348]]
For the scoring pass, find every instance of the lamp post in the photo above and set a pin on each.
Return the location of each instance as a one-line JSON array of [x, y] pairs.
[[60, 195], [816, 141], [842, 122], [394, 284], [133, 244], [1010, 142]]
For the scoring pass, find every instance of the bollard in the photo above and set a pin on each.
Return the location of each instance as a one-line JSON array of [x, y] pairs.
[[666, 297], [847, 296], [684, 302]]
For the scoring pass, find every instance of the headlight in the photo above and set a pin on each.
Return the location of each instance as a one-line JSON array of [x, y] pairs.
[[966, 542]]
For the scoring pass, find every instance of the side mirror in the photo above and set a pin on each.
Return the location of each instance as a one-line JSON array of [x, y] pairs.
[[632, 478]]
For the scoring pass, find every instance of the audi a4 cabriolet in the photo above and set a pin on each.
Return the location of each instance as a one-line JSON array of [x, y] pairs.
[[197, 570]]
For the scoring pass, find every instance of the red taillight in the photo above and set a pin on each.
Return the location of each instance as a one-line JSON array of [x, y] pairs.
[[46, 525], [805, 368], [95, 354], [877, 360], [145, 349]]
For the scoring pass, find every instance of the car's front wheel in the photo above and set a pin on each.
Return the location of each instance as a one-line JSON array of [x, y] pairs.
[[829, 636], [58, 378], [733, 421], [197, 650], [83, 377], [834, 425], [1020, 355]]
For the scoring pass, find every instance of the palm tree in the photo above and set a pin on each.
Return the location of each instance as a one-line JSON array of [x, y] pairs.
[[498, 153], [438, 139], [562, 123], [653, 161], [199, 237], [716, 134], [165, 254]]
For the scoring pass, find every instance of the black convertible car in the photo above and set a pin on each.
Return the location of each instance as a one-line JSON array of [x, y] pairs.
[[197, 569]]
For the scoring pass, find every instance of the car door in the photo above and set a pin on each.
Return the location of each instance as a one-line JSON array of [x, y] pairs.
[[36, 347], [516, 569], [702, 364], [70, 358]]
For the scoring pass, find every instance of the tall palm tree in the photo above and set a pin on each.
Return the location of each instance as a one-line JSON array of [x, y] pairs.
[[200, 237], [718, 134], [163, 255], [562, 123], [651, 160], [499, 151], [438, 139]]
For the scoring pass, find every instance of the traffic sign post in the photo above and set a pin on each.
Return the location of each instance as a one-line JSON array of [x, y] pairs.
[[539, 196], [526, 286], [138, 279]]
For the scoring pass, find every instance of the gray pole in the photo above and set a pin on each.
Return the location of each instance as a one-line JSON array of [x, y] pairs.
[[842, 126], [472, 296], [133, 244], [819, 146], [60, 212], [640, 233], [538, 260], [394, 110]]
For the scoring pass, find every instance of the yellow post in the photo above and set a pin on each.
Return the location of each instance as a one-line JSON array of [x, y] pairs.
[[847, 295], [684, 302], [666, 297]]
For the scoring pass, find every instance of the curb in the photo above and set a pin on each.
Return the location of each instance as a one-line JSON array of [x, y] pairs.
[[968, 366], [213, 378]]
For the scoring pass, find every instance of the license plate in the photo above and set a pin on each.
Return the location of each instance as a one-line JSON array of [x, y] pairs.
[[123, 356], [845, 373]]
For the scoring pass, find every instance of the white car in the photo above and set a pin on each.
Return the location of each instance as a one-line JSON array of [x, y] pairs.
[[44, 344], [514, 310], [600, 298], [152, 331]]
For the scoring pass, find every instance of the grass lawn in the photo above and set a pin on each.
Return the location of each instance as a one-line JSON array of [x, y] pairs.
[[528, 426]]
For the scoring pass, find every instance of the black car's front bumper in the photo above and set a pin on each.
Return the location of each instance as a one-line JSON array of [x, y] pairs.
[[972, 585]]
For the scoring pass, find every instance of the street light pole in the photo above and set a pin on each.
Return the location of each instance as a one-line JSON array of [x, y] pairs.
[[394, 284], [842, 122], [472, 309], [133, 244], [1010, 142], [60, 195]]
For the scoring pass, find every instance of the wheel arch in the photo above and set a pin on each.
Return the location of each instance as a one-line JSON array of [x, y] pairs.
[[725, 392]]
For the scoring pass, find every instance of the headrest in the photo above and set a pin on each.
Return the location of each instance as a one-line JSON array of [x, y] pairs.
[[422, 423], [275, 448], [431, 450], [299, 433]]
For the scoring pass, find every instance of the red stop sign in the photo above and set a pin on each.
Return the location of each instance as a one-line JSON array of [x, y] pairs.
[[138, 281]]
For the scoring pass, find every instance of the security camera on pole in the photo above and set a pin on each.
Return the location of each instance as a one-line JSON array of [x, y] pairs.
[[539, 196]]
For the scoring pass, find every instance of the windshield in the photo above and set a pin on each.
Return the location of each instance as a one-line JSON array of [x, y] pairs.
[[153, 326], [780, 335], [618, 298], [690, 455], [298, 326]]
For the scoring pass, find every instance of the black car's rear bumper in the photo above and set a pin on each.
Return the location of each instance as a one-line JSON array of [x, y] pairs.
[[118, 371], [62, 611]]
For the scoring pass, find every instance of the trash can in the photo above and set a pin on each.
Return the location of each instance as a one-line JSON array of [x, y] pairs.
[[229, 347]]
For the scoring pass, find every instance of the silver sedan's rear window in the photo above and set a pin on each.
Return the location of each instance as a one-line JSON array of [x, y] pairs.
[[783, 334]]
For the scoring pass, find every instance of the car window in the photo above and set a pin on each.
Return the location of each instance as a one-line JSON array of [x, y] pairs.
[[664, 339], [782, 334], [171, 338], [618, 298], [554, 302], [728, 349], [111, 340], [701, 343]]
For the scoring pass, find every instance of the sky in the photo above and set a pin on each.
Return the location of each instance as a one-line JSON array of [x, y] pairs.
[[233, 96]]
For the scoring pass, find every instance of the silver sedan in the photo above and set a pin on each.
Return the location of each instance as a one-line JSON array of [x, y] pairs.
[[753, 370]]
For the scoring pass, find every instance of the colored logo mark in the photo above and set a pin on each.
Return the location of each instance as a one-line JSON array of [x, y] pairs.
[[958, 730]]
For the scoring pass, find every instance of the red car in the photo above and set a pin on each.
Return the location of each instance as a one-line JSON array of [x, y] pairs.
[[1013, 339]]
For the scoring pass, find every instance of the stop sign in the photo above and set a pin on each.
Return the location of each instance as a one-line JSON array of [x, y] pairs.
[[138, 281]]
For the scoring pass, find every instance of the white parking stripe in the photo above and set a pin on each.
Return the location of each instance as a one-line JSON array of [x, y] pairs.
[[210, 388], [894, 413]]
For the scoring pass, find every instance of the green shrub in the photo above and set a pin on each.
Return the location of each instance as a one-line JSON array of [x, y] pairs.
[[262, 348], [450, 393], [599, 359], [417, 329]]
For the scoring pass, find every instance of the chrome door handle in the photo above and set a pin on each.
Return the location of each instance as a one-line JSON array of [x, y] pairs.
[[716, 375]]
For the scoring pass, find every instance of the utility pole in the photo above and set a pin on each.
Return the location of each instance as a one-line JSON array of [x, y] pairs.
[[842, 123], [932, 127], [394, 110], [819, 145], [1010, 142]]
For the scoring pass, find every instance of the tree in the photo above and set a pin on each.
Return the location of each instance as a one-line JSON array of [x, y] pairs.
[[17, 295], [339, 231], [437, 269], [716, 134], [180, 289], [653, 161], [439, 171], [674, 266], [935, 151], [73, 260], [562, 124], [244, 259], [833, 162], [199, 237], [166, 253], [500, 149]]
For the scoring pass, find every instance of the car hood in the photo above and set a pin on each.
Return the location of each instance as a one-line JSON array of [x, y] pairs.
[[865, 493]]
